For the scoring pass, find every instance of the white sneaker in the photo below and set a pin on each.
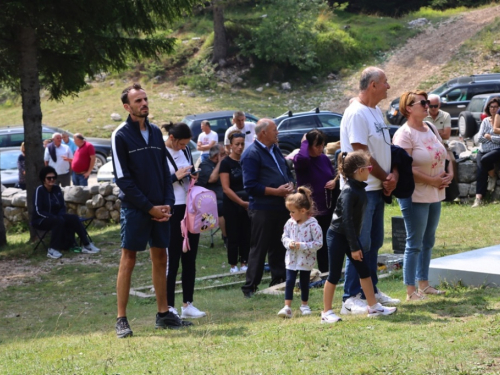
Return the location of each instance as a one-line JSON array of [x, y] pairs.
[[306, 310], [191, 312], [173, 310], [384, 299], [53, 253], [378, 309], [354, 306], [285, 312], [243, 268], [329, 317], [234, 269], [90, 249]]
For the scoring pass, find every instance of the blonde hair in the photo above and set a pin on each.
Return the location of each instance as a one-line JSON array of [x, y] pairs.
[[302, 199], [407, 99], [349, 162]]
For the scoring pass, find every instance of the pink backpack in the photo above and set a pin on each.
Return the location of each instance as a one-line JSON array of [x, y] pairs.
[[201, 212]]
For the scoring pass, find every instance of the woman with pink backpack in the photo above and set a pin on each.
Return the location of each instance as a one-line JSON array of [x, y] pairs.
[[180, 162]]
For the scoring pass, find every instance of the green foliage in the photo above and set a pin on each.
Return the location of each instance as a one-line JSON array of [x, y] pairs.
[[336, 49], [447, 4], [199, 75], [285, 35]]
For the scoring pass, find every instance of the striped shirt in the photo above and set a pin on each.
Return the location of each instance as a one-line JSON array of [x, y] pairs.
[[486, 145]]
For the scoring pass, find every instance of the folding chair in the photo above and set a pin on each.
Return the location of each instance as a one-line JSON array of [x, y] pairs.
[[86, 221], [41, 236]]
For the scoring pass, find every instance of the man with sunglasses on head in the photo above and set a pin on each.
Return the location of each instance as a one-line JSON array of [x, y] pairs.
[[363, 128], [440, 119]]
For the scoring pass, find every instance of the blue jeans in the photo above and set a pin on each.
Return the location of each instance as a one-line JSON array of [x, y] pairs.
[[421, 222], [79, 179], [371, 239]]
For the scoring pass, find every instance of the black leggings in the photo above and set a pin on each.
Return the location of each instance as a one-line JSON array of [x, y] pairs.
[[176, 255], [238, 232], [485, 163], [338, 247], [60, 226], [291, 277]]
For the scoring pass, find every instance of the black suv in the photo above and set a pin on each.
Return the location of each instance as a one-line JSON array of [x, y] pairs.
[[219, 122], [293, 126], [455, 95], [12, 137]]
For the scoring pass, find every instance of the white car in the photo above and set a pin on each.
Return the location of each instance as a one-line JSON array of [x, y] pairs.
[[105, 173]]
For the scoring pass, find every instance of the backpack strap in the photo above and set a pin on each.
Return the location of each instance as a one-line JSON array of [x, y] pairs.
[[189, 157], [173, 176]]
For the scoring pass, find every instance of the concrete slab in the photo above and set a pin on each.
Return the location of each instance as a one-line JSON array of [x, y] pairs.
[[472, 268]]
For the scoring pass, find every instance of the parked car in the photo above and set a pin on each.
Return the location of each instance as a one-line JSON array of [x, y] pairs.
[[8, 167], [292, 127], [455, 96], [219, 122], [470, 120], [106, 173], [12, 137]]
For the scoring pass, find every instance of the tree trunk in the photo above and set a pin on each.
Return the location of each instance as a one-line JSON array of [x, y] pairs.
[[220, 39], [3, 235], [32, 113]]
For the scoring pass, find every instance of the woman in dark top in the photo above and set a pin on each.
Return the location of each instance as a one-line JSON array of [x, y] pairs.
[[50, 214], [21, 169], [314, 169], [235, 203]]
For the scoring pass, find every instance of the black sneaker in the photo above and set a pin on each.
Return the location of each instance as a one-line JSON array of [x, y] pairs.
[[122, 328], [171, 321]]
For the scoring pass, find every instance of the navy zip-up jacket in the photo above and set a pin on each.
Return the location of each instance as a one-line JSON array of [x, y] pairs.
[[141, 169], [260, 171], [47, 204]]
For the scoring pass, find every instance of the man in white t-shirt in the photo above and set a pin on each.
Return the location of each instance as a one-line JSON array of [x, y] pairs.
[[239, 123], [440, 119], [363, 128], [206, 140], [59, 156]]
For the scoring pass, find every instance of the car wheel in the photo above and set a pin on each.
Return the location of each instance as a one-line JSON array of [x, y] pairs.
[[286, 151], [467, 124], [100, 160]]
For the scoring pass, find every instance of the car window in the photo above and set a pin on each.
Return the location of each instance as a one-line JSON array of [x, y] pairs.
[[16, 139], [219, 125], [477, 105], [46, 135], [329, 121], [483, 89], [440, 89], [303, 122], [457, 95], [4, 140], [251, 119]]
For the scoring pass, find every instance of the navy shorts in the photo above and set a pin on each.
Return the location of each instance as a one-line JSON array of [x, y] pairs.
[[138, 228]]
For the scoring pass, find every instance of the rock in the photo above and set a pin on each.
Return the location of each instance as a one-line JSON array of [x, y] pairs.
[[496, 194], [286, 86], [2, 188], [17, 218], [89, 120], [268, 84], [463, 189], [314, 79], [7, 224], [472, 189], [102, 213], [467, 171], [20, 199], [96, 201], [109, 127], [6, 201], [9, 192], [77, 194], [116, 116], [84, 211], [10, 212], [332, 76], [108, 206], [94, 189], [115, 216], [419, 22], [118, 205], [26, 216], [71, 211], [116, 190], [457, 147], [111, 198], [191, 94], [259, 89], [105, 189], [71, 206]]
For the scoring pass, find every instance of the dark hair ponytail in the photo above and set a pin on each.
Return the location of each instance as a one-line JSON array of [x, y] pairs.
[[349, 162]]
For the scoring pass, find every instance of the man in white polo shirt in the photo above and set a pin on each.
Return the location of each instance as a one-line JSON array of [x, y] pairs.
[[246, 128], [59, 156], [206, 140]]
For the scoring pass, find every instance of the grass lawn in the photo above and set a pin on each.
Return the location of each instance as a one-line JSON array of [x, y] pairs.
[[62, 322]]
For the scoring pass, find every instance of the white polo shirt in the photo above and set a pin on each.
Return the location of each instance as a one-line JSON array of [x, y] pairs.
[[61, 166]]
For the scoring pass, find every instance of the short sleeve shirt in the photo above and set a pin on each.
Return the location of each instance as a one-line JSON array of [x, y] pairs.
[[429, 157], [248, 130], [366, 126], [233, 167], [442, 121], [206, 139], [61, 166], [81, 160], [180, 190]]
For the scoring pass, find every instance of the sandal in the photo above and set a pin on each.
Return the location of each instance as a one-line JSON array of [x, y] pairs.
[[431, 291], [415, 297]]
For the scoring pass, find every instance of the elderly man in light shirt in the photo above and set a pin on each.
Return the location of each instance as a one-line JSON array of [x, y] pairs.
[[440, 119], [59, 156]]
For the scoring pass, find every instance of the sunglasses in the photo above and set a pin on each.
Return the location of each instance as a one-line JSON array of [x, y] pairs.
[[433, 106], [51, 178], [423, 103]]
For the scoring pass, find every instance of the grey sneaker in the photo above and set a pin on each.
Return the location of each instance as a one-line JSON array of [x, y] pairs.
[[477, 202], [90, 249], [53, 253], [171, 321], [123, 328]]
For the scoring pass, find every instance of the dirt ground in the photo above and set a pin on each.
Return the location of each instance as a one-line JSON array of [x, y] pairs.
[[416, 61]]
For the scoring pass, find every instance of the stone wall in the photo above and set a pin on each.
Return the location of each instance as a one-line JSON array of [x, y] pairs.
[[99, 201]]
